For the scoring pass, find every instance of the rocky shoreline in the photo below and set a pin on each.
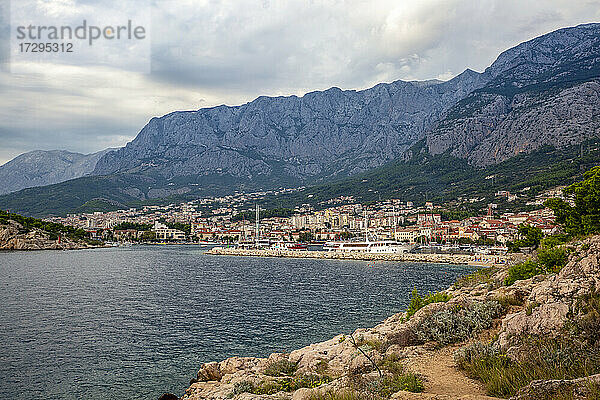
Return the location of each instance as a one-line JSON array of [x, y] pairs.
[[430, 353], [462, 259], [14, 237]]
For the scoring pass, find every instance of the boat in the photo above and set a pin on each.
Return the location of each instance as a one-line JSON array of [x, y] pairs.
[[378, 246], [281, 245]]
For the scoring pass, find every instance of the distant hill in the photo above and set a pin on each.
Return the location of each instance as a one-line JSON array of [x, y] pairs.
[[41, 168]]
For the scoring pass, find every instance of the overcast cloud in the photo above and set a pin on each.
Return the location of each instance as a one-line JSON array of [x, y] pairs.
[[206, 53]]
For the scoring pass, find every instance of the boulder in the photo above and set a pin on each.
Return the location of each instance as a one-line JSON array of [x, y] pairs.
[[540, 389]]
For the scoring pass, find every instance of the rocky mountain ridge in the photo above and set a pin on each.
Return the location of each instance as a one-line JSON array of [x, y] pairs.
[[319, 135], [542, 92]]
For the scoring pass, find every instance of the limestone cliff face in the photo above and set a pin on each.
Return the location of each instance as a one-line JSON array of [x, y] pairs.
[[542, 92], [321, 134]]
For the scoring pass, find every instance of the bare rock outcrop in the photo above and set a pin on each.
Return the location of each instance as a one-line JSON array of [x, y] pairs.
[[551, 300], [540, 389]]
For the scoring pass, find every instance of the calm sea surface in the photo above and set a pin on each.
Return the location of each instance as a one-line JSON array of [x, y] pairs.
[[136, 322]]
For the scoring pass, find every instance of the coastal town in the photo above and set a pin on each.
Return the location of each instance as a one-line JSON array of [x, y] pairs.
[[229, 220]]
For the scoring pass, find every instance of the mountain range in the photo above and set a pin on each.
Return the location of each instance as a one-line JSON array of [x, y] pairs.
[[543, 92]]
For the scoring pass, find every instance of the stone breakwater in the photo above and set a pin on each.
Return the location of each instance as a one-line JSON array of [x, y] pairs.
[[484, 260]]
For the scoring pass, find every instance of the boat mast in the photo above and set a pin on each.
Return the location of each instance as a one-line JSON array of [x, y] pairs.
[[366, 228], [394, 214], [257, 228]]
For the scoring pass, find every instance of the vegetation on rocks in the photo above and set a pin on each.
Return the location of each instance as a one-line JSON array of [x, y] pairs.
[[417, 301], [458, 323], [479, 276], [282, 367], [540, 359], [286, 384], [547, 261], [342, 395], [395, 377], [584, 217], [54, 229]]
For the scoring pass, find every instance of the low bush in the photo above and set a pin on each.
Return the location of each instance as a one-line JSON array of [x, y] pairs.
[[458, 323], [555, 240], [417, 301], [548, 260], [482, 275], [392, 364], [281, 368], [286, 384], [388, 385], [553, 259], [369, 344], [524, 270], [242, 387], [543, 358], [510, 300], [342, 395]]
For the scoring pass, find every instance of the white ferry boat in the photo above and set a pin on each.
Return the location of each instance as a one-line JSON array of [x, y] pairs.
[[380, 246]]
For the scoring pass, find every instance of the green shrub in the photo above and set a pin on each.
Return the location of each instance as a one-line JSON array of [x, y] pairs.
[[390, 384], [524, 270], [286, 384], [293, 384], [507, 301], [553, 259], [458, 323], [555, 240], [282, 367], [242, 387], [369, 344], [548, 260], [417, 302], [392, 364]]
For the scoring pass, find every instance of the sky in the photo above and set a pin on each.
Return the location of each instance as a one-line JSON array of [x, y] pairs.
[[204, 53]]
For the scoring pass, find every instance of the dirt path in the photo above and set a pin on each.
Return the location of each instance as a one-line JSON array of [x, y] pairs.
[[443, 379]]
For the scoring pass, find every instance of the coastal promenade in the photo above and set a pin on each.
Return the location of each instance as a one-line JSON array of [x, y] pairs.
[[463, 259]]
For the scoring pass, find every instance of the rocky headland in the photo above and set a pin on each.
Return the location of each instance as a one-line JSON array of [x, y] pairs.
[[14, 236], [488, 336]]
